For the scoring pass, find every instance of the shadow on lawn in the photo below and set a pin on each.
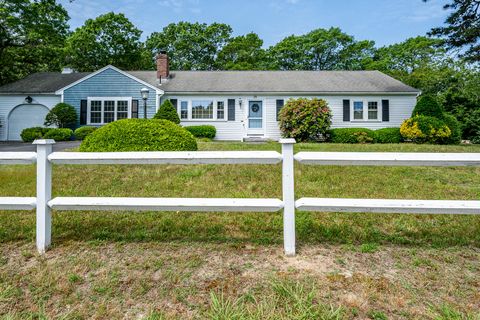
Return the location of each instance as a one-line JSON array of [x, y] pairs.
[[260, 228]]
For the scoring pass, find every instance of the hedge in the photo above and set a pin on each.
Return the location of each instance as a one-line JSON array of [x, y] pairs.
[[204, 131], [454, 125], [352, 135], [425, 129], [388, 135], [139, 135], [82, 132], [59, 134], [30, 134]]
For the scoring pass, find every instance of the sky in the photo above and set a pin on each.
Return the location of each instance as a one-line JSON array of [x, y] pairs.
[[383, 21]]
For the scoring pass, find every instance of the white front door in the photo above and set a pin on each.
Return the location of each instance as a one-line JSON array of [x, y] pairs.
[[255, 118]]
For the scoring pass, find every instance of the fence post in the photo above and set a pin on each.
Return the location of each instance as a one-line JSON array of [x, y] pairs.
[[44, 194], [288, 196]]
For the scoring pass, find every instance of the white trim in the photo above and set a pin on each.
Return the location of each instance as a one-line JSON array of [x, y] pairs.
[[60, 91], [102, 111]]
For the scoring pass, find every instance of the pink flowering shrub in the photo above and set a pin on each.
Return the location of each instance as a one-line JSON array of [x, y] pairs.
[[305, 119]]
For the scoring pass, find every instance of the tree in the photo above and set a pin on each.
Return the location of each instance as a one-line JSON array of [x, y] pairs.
[[167, 111], [62, 115], [108, 39], [190, 46], [419, 62], [463, 28], [242, 53], [32, 36], [321, 49]]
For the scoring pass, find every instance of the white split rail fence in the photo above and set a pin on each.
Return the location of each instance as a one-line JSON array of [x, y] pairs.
[[44, 158]]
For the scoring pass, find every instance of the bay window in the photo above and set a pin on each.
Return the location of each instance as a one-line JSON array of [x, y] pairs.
[[103, 110]]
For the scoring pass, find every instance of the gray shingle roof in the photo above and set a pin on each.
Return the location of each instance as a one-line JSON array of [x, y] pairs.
[[232, 81], [281, 81], [42, 82]]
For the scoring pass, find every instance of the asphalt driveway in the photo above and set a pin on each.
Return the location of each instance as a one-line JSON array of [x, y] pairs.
[[25, 146]]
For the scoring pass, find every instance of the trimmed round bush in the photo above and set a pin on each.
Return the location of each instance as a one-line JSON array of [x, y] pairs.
[[59, 134], [425, 129], [30, 134], [388, 135], [205, 131], [167, 111], [454, 125], [305, 119], [428, 106], [139, 135], [82, 132], [352, 135]]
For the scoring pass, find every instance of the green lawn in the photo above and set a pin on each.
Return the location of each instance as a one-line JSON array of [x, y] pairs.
[[415, 246]]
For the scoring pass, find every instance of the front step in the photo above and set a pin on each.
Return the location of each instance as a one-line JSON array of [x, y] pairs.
[[254, 139]]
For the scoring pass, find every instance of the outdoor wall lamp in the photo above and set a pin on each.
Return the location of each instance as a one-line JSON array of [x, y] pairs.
[[240, 102], [144, 92], [28, 99]]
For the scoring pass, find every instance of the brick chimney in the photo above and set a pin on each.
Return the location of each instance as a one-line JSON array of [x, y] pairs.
[[162, 65]]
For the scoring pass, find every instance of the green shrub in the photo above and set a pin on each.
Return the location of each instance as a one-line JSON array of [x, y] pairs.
[[167, 111], [305, 119], [82, 132], [62, 115], [139, 135], [425, 129], [205, 131], [30, 134], [352, 135], [428, 106], [59, 134], [454, 125], [388, 135]]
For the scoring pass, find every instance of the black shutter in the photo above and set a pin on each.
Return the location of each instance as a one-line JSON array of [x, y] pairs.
[[346, 110], [280, 103], [174, 102], [134, 108], [231, 109], [83, 112], [385, 110]]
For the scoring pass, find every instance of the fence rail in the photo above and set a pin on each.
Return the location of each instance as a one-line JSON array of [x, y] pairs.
[[43, 202]]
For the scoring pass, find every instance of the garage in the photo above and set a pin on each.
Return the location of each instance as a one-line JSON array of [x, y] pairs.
[[25, 116]]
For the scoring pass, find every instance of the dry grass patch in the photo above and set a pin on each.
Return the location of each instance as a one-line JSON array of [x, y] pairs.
[[190, 280]]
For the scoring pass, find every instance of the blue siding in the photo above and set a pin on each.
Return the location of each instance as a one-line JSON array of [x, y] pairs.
[[109, 83]]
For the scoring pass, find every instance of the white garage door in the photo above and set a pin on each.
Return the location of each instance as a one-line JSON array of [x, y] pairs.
[[25, 116]]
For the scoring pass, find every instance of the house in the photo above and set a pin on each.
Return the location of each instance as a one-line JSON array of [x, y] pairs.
[[240, 104]]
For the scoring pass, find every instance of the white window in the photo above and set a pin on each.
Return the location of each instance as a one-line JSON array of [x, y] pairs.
[[183, 109], [220, 110], [202, 109], [365, 110], [358, 110], [372, 110], [104, 110]]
